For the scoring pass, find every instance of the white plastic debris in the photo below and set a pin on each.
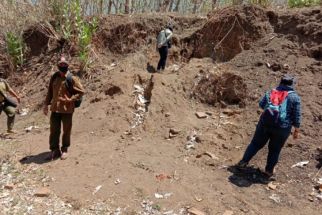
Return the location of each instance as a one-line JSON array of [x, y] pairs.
[[117, 181], [275, 198], [30, 128], [97, 189], [300, 164], [192, 141], [24, 112], [162, 196], [142, 99]]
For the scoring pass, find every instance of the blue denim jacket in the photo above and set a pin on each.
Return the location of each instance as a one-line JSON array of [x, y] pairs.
[[293, 117]]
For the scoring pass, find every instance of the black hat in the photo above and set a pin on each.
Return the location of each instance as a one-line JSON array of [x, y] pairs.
[[288, 80]]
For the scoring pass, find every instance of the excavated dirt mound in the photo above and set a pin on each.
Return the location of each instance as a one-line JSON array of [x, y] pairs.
[[227, 87], [36, 39], [227, 33], [123, 35]]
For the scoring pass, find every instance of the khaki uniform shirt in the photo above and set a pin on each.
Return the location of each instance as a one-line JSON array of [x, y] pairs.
[[4, 88], [58, 89]]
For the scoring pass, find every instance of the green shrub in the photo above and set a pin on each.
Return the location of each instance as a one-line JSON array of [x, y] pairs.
[[74, 28], [15, 48], [303, 3], [263, 3]]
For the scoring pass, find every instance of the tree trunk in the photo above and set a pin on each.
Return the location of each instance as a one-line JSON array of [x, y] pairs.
[[171, 6], [109, 9], [127, 7], [195, 3], [176, 9], [101, 7], [214, 2]]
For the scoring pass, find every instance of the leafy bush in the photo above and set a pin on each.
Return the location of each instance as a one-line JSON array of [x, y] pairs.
[[303, 3], [15, 48], [73, 26], [263, 3]]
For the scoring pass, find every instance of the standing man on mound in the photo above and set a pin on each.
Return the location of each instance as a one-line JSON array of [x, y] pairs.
[[282, 110], [64, 95], [164, 44]]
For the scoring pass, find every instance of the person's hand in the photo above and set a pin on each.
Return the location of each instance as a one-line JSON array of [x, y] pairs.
[[65, 99], [45, 109], [18, 99], [296, 133]]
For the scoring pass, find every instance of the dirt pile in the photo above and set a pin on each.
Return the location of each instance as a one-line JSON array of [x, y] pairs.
[[124, 35], [225, 88], [227, 33]]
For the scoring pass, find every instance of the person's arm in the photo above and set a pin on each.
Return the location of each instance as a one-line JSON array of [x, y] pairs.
[[296, 117], [263, 102], [169, 34], [12, 92], [78, 89], [49, 97]]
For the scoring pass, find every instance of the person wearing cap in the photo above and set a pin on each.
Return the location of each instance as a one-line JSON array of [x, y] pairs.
[[6, 106], [163, 45], [275, 134], [62, 106]]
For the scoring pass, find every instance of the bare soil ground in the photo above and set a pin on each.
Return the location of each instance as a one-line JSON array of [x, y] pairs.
[[121, 164]]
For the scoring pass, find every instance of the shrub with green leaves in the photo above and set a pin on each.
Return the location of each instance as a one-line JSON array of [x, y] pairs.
[[76, 29], [303, 3], [15, 48], [263, 3]]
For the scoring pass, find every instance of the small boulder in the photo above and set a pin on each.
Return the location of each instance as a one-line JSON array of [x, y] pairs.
[[42, 192], [201, 115]]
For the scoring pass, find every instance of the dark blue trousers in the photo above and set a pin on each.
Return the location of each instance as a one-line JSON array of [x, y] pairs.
[[276, 138], [163, 51]]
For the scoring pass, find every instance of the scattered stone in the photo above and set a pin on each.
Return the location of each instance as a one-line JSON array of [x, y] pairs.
[[272, 186], [198, 199], [231, 112], [174, 131], [228, 212], [195, 211], [224, 146], [9, 186], [167, 114], [201, 115], [42, 192]]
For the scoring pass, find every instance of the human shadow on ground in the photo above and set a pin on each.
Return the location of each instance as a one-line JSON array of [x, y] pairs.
[[248, 176], [150, 68], [37, 159]]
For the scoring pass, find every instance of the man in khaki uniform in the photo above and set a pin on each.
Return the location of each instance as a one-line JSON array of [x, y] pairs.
[[62, 105], [6, 106]]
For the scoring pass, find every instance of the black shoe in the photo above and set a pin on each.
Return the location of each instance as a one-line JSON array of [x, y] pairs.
[[55, 154], [241, 165]]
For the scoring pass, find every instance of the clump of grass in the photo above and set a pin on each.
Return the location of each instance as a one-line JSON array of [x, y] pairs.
[[15, 48], [263, 3], [74, 28], [303, 3]]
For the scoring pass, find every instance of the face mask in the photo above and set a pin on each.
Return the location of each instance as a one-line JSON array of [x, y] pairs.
[[63, 69]]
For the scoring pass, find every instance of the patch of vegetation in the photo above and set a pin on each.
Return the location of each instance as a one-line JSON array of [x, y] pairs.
[[74, 28], [263, 3], [15, 48], [303, 3]]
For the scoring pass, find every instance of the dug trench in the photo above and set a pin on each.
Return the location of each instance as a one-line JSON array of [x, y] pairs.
[[130, 136]]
